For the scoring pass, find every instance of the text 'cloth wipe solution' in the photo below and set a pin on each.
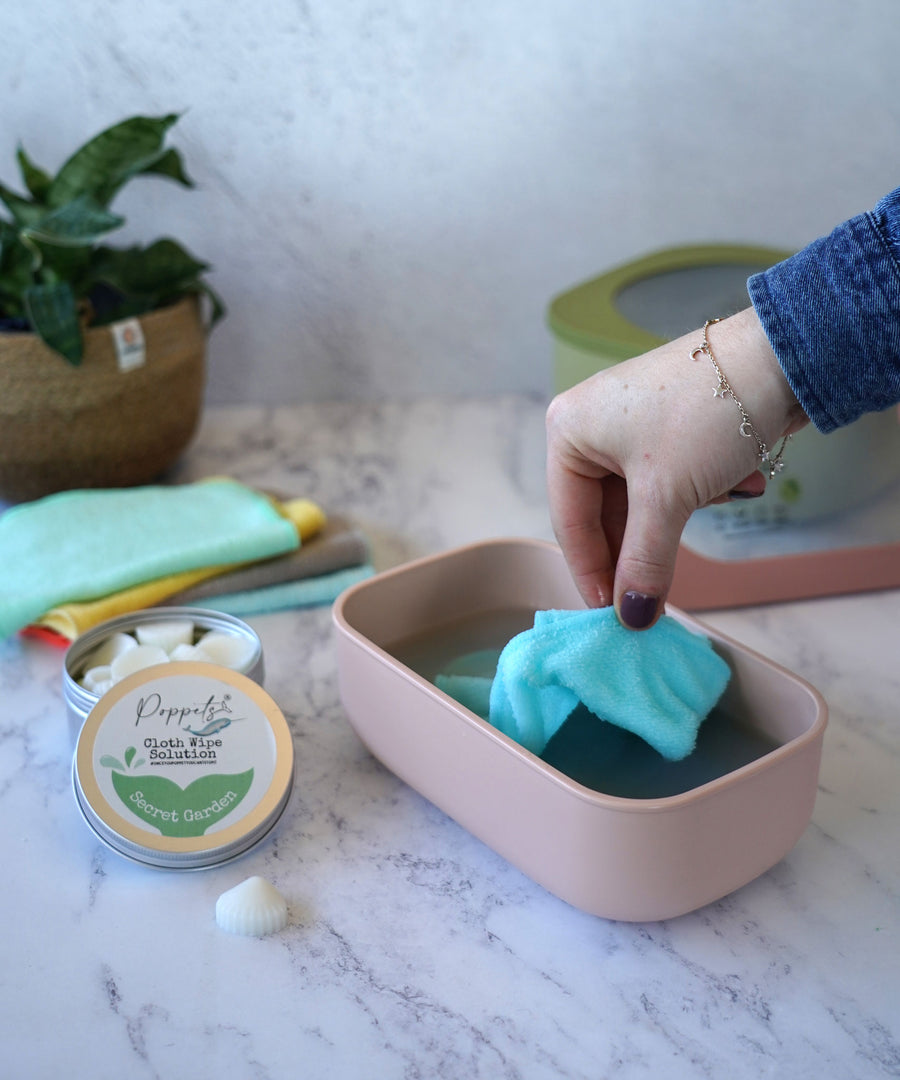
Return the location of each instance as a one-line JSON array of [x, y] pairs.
[[659, 683]]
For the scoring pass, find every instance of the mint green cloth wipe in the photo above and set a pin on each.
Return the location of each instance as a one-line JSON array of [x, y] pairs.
[[81, 545], [310, 592], [659, 683]]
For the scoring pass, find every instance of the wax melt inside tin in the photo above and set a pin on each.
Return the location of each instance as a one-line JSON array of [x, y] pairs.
[[80, 699], [184, 765]]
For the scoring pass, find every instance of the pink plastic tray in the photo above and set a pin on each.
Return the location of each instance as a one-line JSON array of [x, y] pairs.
[[621, 858]]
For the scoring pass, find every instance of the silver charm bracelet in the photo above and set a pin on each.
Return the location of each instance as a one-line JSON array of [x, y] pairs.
[[774, 464]]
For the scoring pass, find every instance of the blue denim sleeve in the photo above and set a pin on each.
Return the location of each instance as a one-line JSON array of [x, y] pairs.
[[832, 315]]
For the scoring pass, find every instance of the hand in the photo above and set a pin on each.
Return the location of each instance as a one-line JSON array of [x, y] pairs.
[[636, 448]]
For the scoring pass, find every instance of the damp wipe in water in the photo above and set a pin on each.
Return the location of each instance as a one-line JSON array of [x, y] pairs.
[[183, 765], [659, 684]]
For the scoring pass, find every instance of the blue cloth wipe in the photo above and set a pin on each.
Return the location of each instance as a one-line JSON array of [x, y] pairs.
[[659, 683]]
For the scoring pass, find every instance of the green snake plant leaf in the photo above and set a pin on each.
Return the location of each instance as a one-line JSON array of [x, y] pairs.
[[151, 277], [163, 267], [53, 312], [16, 270], [171, 166], [58, 262], [80, 223], [110, 159], [24, 211], [35, 179]]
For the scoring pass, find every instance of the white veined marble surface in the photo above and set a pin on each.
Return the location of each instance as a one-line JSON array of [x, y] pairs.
[[413, 951]]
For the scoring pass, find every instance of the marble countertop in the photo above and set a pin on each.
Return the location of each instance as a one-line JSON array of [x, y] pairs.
[[412, 949]]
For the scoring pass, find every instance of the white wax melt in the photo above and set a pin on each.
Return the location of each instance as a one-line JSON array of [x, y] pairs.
[[188, 652], [96, 677], [136, 659], [158, 641], [109, 649], [167, 635], [253, 908], [226, 649]]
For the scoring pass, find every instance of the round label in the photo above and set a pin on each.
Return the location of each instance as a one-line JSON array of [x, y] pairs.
[[184, 764]]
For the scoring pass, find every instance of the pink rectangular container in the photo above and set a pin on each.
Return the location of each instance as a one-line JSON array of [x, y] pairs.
[[632, 859]]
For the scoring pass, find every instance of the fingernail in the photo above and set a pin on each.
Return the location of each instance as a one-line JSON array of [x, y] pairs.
[[745, 494], [637, 611]]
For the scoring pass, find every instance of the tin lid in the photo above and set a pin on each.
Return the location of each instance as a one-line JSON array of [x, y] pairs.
[[183, 765]]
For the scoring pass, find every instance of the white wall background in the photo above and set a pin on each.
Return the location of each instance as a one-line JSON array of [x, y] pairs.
[[391, 192]]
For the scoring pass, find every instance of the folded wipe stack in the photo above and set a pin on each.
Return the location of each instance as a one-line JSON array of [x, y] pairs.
[[72, 560], [73, 618], [329, 548], [659, 684], [335, 557]]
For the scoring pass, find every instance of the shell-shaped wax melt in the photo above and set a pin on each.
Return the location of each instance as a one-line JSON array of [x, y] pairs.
[[109, 649], [253, 908], [227, 650], [136, 659], [167, 634]]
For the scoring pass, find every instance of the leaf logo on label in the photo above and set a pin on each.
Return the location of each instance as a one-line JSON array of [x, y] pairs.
[[177, 811]]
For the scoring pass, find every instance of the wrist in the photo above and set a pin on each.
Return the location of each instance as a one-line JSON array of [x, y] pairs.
[[753, 371]]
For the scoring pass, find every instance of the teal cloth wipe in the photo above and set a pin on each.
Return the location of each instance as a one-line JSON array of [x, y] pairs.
[[659, 683], [81, 545], [308, 592], [468, 679]]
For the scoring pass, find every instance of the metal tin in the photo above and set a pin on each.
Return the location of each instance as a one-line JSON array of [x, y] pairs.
[[184, 765], [80, 701]]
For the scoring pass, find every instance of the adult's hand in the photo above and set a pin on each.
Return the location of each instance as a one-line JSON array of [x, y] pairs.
[[636, 448]]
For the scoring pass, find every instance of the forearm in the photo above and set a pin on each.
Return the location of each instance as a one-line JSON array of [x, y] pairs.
[[832, 316]]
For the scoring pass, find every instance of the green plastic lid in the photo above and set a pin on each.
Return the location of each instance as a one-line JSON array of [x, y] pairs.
[[590, 316]]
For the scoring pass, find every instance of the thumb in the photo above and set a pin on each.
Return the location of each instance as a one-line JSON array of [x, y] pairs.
[[646, 563]]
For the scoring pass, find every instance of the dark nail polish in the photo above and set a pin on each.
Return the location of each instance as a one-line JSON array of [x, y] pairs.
[[637, 611], [745, 494]]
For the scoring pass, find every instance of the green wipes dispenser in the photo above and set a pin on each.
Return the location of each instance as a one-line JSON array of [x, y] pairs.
[[642, 304]]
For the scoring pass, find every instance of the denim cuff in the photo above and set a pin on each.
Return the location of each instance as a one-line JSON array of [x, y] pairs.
[[832, 316]]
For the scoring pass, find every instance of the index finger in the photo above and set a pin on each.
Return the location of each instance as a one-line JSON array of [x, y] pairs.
[[576, 513]]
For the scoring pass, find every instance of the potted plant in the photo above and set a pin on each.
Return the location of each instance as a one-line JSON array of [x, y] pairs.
[[102, 349]]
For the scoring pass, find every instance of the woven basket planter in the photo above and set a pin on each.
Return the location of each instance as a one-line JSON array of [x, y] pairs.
[[64, 427]]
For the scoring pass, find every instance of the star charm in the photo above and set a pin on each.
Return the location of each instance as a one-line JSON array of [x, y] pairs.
[[719, 391]]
